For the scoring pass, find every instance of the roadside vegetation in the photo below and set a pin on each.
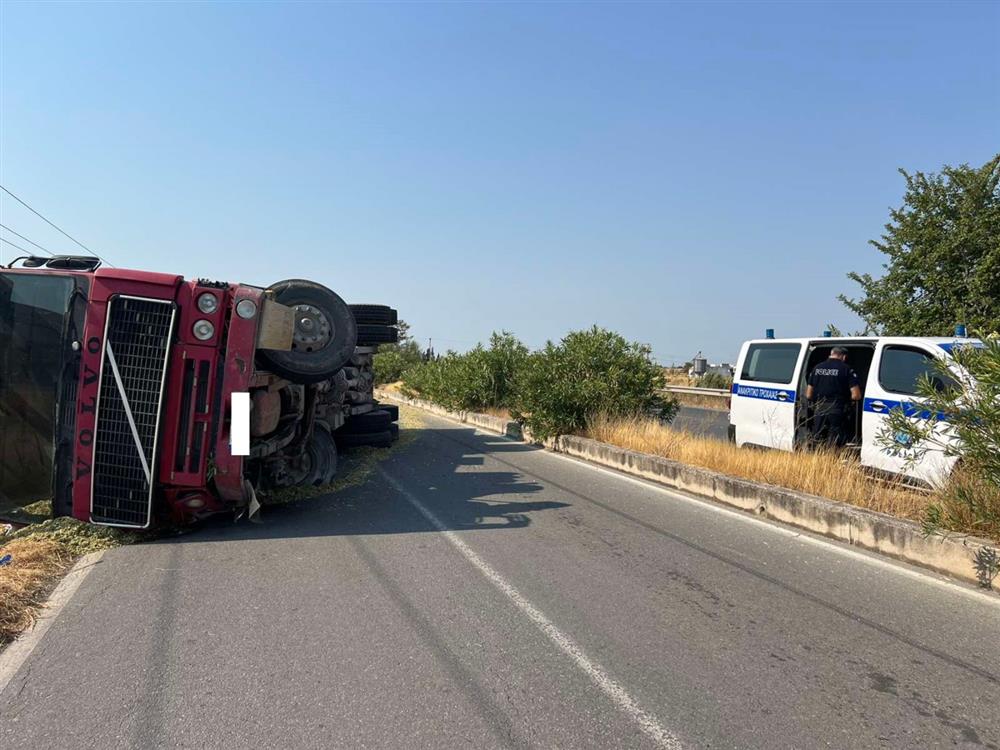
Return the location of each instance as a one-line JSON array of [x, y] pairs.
[[825, 473], [552, 390], [941, 256], [961, 417]]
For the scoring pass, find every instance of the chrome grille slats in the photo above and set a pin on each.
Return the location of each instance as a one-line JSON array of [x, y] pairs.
[[138, 332]]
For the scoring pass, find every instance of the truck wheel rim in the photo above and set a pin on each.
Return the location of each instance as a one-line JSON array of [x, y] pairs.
[[313, 329]]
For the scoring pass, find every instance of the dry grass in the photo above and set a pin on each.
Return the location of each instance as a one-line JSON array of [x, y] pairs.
[[41, 553], [677, 376], [24, 582], [821, 473], [702, 402]]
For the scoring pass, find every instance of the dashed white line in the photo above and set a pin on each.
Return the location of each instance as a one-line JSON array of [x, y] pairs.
[[648, 723]]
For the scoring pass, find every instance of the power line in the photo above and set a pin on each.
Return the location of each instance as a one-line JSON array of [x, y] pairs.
[[64, 233], [13, 245], [16, 234]]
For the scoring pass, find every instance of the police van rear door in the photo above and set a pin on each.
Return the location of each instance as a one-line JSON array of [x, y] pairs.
[[764, 393], [900, 364]]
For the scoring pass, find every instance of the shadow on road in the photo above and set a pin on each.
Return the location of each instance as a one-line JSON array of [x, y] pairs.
[[442, 467]]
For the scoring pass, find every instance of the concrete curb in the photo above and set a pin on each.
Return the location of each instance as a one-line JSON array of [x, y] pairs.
[[887, 535]]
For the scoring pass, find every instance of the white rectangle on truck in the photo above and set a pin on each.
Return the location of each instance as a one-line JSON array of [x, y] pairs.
[[239, 425]]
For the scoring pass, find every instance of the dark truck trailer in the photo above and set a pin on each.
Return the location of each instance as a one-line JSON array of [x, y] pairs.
[[117, 389]]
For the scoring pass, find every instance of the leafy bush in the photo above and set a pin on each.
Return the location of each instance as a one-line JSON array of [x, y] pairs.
[[483, 377], [961, 417], [588, 373], [390, 362]]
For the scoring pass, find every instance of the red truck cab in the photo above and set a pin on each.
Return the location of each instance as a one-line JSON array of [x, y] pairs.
[[116, 389]]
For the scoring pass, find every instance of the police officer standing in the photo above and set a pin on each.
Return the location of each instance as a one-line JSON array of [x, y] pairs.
[[832, 386]]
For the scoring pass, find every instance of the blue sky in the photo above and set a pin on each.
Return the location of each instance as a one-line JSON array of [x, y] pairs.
[[686, 174]]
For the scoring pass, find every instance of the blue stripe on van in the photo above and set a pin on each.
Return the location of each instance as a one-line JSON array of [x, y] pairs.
[[909, 408], [949, 346], [784, 395]]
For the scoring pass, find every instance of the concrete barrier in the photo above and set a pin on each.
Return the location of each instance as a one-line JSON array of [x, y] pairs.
[[887, 535]]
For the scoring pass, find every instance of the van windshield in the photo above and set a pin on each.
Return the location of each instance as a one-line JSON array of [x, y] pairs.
[[35, 323]]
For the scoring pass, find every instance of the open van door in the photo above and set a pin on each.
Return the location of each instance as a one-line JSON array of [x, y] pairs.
[[893, 382], [764, 396]]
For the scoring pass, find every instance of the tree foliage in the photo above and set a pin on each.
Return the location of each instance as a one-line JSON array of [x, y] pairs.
[[943, 256], [588, 373], [482, 377], [392, 360]]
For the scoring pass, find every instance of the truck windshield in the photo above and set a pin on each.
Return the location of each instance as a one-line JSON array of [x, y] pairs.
[[35, 326]]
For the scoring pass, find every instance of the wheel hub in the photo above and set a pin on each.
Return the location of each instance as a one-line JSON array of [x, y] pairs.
[[312, 328]]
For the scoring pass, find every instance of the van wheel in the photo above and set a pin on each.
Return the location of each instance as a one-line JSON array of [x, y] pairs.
[[324, 337]]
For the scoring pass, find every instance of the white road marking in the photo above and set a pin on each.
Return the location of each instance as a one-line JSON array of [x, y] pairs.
[[17, 653], [841, 548], [597, 674]]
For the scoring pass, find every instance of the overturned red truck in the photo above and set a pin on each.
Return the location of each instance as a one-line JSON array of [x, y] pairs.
[[117, 389]]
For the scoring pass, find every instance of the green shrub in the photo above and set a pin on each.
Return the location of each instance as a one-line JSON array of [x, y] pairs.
[[483, 377], [962, 419], [390, 362], [588, 373]]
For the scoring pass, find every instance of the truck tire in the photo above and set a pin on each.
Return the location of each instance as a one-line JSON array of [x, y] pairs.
[[357, 439], [380, 315], [371, 335], [372, 421], [325, 333], [392, 409], [325, 445], [394, 431]]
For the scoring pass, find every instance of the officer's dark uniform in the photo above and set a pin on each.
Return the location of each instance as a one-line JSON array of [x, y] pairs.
[[832, 381]]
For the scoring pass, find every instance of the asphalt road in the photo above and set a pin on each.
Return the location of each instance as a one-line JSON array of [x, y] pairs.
[[481, 593], [703, 422]]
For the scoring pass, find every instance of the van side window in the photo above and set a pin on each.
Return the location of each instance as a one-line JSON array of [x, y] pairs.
[[902, 369], [771, 363]]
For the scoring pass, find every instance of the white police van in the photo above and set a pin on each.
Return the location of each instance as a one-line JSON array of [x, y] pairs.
[[769, 408]]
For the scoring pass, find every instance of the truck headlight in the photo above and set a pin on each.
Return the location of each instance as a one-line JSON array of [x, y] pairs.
[[246, 308], [204, 330], [208, 303]]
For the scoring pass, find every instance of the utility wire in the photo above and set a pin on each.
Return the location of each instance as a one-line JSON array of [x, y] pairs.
[[62, 232], [13, 245], [27, 240]]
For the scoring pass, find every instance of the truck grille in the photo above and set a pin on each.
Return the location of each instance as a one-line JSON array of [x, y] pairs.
[[136, 342]]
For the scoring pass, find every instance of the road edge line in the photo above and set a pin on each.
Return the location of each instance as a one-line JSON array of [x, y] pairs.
[[14, 656]]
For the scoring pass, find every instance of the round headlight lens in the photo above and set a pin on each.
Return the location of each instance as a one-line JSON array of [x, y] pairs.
[[246, 308], [204, 330], [208, 303]]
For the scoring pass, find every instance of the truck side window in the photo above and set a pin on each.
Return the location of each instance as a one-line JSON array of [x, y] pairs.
[[771, 363], [902, 369]]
